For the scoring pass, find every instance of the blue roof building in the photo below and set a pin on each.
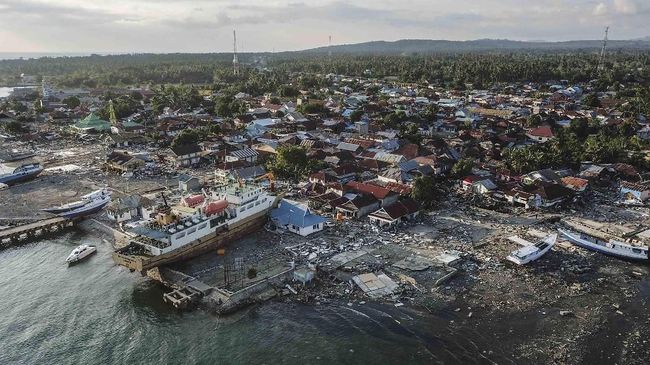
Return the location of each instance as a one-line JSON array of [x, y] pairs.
[[297, 218]]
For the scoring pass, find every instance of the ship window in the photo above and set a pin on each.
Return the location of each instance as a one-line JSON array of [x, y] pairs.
[[257, 203], [202, 226], [636, 250], [180, 235], [242, 209], [191, 231], [249, 206]]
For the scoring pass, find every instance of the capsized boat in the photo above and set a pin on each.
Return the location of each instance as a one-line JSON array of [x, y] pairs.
[[612, 247], [89, 203], [80, 253], [530, 253]]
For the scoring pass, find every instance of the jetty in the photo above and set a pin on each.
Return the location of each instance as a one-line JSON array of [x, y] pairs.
[[27, 232]]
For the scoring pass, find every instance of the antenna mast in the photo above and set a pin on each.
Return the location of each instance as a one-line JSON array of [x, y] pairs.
[[601, 61], [329, 51], [235, 61]]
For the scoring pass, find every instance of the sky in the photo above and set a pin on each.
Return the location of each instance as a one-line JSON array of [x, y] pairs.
[[120, 26]]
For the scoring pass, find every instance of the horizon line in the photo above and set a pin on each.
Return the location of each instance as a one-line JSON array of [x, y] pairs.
[[117, 53]]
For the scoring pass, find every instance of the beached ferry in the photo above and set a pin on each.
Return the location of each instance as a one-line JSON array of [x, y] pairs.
[[230, 213]]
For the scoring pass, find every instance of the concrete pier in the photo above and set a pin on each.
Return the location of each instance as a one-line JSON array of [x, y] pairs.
[[21, 234]]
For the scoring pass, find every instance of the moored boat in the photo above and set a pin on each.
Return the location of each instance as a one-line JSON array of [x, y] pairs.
[[80, 253], [612, 247], [533, 252]]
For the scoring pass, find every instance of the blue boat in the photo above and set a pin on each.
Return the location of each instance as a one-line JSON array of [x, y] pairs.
[[21, 174]]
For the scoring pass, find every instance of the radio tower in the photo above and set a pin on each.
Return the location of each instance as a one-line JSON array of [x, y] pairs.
[[601, 61], [235, 61], [329, 50]]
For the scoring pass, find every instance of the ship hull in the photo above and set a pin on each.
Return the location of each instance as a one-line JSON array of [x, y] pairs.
[[580, 242], [59, 210], [82, 213], [16, 179], [198, 247]]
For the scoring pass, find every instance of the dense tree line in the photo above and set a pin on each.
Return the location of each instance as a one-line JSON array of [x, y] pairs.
[[480, 69]]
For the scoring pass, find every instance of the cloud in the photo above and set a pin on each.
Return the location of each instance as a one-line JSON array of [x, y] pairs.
[[625, 6], [206, 25], [601, 9]]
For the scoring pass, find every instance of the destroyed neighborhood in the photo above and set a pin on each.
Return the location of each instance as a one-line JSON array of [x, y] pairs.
[[478, 203]]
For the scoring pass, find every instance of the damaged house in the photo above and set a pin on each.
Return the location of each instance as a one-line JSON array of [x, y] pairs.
[[297, 218], [130, 207], [405, 209]]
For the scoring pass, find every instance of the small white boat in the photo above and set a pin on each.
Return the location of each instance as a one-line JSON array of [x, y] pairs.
[[612, 247], [530, 253], [80, 253]]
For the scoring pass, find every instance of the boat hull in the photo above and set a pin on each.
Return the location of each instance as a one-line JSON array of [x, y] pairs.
[[576, 240], [84, 257], [198, 247], [16, 179], [533, 257], [59, 210], [82, 213]]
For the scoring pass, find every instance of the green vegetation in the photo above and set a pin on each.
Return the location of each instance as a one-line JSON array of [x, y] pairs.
[[15, 127], [71, 102], [292, 162], [226, 106], [425, 192], [176, 97], [356, 115], [312, 108], [187, 136], [452, 70], [463, 167], [591, 100], [124, 105], [582, 141]]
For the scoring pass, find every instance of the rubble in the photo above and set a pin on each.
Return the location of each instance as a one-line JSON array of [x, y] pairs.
[[375, 285], [414, 263]]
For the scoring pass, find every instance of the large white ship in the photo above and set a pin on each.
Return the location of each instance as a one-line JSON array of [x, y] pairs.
[[228, 214]]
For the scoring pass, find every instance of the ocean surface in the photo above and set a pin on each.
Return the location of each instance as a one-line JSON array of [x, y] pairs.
[[99, 313], [27, 55]]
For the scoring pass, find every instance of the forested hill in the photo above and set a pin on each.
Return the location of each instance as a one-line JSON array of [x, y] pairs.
[[482, 45]]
